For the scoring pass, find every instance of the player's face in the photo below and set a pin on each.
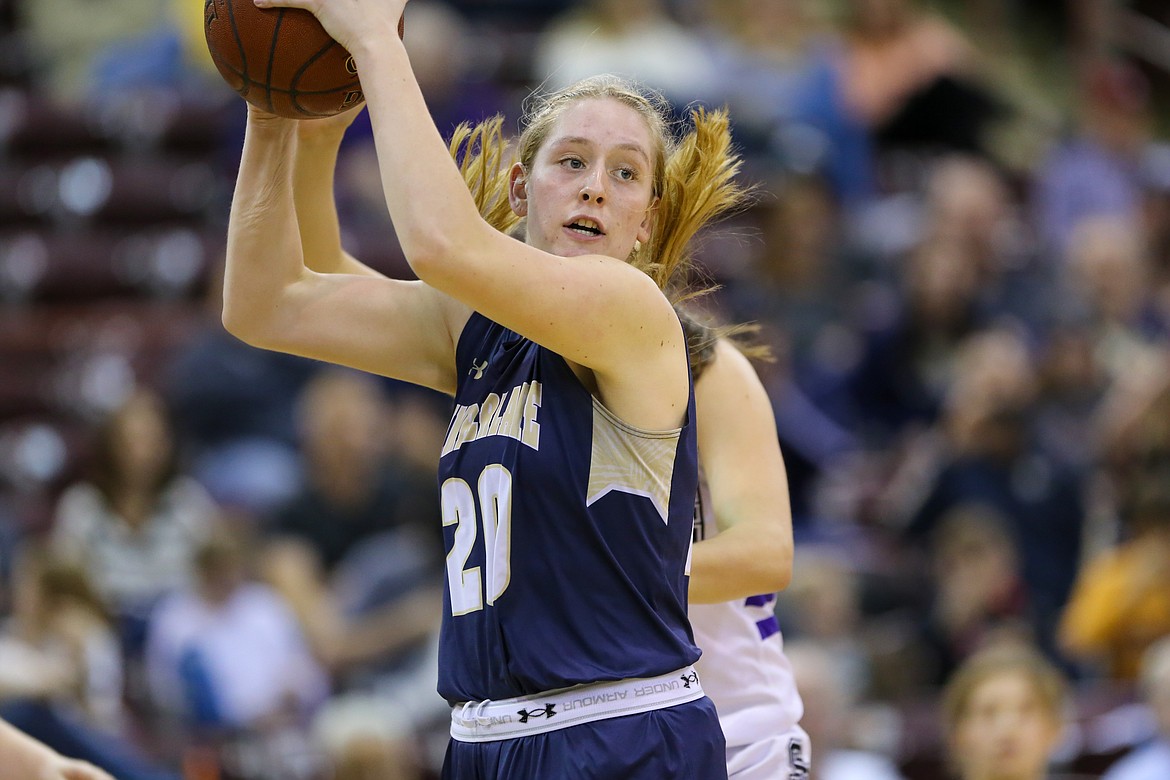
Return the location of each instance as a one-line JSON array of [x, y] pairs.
[[1007, 732], [590, 190]]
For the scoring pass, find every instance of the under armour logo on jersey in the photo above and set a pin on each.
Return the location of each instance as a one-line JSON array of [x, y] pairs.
[[690, 679], [476, 371], [547, 711]]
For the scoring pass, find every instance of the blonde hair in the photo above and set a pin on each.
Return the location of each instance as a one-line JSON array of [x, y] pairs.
[[694, 176], [994, 660]]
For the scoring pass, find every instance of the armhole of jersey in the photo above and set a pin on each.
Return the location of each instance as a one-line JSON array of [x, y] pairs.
[[463, 344]]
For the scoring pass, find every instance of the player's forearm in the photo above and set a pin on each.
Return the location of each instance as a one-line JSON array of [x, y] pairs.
[[314, 170], [434, 215], [746, 559], [263, 248], [314, 176]]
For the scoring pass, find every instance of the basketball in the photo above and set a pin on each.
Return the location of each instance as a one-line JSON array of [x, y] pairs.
[[281, 59]]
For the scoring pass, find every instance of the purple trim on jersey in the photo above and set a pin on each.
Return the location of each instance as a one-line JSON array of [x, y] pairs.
[[768, 626], [760, 601]]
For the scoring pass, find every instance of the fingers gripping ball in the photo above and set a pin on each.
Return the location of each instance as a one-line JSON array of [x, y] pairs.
[[281, 59]]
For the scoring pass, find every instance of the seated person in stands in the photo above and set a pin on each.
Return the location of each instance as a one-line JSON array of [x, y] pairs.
[[355, 553], [1003, 711], [135, 522]]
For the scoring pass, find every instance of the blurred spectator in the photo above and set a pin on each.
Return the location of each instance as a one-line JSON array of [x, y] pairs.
[[70, 36], [638, 39], [1110, 278], [911, 78], [448, 60], [227, 656], [823, 605], [1003, 712], [61, 670], [968, 204], [134, 525], [92, 53], [358, 556], [1096, 170], [1121, 603], [835, 720], [991, 457], [1151, 761], [360, 572], [782, 69], [59, 644], [909, 355], [978, 594], [233, 409]]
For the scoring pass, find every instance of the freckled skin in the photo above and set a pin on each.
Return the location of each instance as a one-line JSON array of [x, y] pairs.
[[596, 163]]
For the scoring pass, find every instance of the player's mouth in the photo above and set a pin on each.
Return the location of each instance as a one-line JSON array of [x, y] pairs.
[[586, 227]]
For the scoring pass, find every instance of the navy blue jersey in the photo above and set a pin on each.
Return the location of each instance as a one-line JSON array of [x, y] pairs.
[[567, 531]]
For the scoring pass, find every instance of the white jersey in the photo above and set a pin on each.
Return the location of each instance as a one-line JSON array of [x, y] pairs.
[[743, 666]]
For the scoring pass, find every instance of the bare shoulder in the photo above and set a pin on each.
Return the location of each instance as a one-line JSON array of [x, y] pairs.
[[728, 369]]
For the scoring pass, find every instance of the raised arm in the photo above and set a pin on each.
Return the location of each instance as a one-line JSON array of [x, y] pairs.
[[595, 310], [314, 172], [272, 300], [740, 456]]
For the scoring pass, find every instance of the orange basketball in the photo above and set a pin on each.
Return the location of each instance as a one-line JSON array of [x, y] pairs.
[[281, 59]]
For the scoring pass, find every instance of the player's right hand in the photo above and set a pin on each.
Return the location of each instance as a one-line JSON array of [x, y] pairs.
[[352, 23]]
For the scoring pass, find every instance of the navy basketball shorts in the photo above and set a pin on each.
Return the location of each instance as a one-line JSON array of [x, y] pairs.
[[683, 742]]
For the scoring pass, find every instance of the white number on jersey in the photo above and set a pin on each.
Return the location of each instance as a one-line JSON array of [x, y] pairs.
[[467, 586]]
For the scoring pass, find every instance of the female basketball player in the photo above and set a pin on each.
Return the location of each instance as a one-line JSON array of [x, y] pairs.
[[568, 474], [29, 759], [744, 555]]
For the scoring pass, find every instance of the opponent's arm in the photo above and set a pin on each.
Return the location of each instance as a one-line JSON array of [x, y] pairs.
[[27, 759], [740, 455]]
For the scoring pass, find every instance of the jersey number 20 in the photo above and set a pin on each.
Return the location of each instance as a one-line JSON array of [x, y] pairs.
[[471, 587]]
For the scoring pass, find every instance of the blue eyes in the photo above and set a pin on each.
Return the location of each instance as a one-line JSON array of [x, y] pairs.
[[577, 164]]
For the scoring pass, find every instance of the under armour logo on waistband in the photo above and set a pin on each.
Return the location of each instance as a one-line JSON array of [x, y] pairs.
[[547, 711]]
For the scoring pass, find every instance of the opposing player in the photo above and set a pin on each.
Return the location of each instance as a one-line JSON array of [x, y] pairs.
[[744, 554], [569, 471], [28, 759]]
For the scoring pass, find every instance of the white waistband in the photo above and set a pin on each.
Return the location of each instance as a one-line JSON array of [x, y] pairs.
[[487, 721]]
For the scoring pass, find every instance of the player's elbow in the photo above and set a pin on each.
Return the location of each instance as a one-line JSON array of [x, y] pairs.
[[777, 557], [239, 322], [429, 252], [441, 255], [246, 323]]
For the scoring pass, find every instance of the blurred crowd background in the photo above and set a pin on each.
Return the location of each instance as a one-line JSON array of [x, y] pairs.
[[221, 563]]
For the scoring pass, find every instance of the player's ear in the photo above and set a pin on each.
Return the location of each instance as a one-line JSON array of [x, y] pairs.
[[518, 190], [646, 229]]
